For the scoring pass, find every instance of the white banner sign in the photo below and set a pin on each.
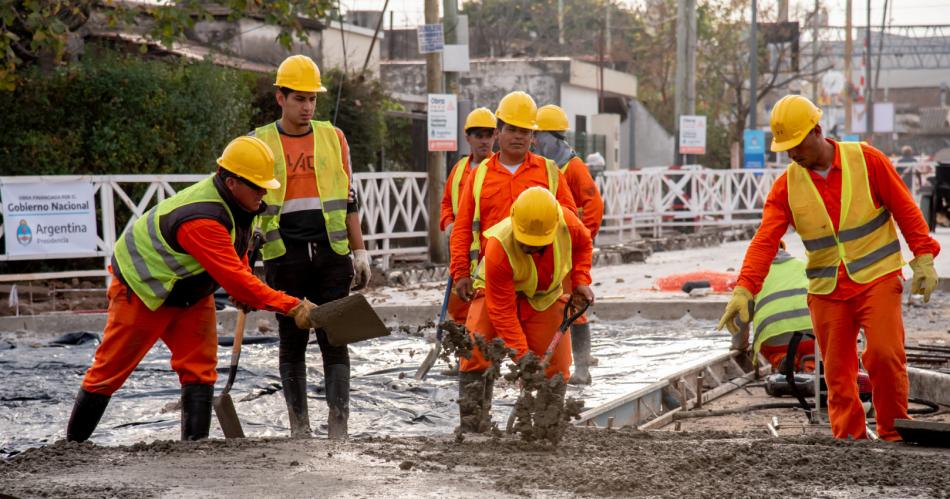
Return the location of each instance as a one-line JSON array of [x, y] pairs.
[[443, 122], [692, 134], [430, 38], [48, 218]]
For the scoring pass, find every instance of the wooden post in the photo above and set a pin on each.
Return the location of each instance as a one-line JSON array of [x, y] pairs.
[[699, 391]]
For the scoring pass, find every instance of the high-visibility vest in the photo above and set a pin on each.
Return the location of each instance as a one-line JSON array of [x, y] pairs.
[[866, 240], [148, 263], [460, 167], [781, 307], [480, 172], [524, 271], [332, 183]]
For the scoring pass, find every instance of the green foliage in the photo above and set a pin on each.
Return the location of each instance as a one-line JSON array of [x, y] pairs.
[[114, 113], [39, 29]]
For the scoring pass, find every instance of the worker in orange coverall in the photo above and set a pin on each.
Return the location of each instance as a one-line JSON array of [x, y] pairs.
[[843, 199], [166, 267], [491, 189], [520, 296], [480, 135], [550, 142]]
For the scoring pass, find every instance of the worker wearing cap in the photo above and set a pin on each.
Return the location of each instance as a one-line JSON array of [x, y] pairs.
[[166, 266], [520, 296], [550, 142], [480, 135], [843, 199], [490, 190], [311, 230]]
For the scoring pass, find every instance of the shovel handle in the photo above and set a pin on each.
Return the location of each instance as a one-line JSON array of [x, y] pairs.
[[235, 350], [569, 319], [445, 305]]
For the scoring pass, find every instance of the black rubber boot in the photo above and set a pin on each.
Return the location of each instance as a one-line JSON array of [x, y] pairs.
[[580, 347], [293, 378], [87, 411], [338, 399], [196, 411], [474, 402]]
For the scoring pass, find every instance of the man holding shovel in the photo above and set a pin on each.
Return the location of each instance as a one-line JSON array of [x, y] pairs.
[[166, 267], [313, 242], [519, 293]]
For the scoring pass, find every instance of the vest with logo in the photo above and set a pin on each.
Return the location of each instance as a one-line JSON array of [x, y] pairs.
[[332, 184]]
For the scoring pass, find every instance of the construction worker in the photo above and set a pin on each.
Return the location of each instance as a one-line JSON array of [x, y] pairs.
[[550, 142], [520, 296], [781, 310], [480, 135], [165, 268], [843, 199], [495, 184], [311, 229]]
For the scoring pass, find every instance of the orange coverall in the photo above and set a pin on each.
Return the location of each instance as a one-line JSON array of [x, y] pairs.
[[837, 317], [457, 309], [189, 332], [499, 192], [497, 311], [590, 205]]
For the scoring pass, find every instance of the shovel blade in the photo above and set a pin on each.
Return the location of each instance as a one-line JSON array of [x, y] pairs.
[[227, 416], [428, 362], [348, 320]]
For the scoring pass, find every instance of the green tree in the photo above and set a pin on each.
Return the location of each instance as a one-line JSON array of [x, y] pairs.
[[39, 30]]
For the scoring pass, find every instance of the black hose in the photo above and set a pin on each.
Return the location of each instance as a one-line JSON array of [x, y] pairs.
[[930, 409]]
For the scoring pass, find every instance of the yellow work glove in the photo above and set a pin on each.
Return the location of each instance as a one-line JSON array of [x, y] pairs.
[[738, 304], [925, 276], [301, 314]]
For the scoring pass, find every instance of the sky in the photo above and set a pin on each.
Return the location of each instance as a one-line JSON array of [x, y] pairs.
[[901, 12]]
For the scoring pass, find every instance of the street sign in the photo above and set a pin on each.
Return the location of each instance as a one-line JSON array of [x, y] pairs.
[[692, 134], [443, 122], [455, 59], [430, 37], [753, 148]]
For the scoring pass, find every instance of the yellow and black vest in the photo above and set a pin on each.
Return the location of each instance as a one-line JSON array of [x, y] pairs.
[[781, 307]]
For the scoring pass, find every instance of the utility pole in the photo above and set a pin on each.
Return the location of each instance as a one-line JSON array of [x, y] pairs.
[[868, 83], [814, 54], [451, 20], [435, 161], [753, 67], [560, 22], [685, 98], [848, 49], [600, 70]]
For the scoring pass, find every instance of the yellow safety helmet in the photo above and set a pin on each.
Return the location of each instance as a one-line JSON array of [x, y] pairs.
[[300, 73], [534, 217], [518, 109], [480, 118], [251, 159], [552, 118], [793, 117]]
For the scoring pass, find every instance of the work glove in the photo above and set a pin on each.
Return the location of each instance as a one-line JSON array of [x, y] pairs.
[[361, 269], [925, 276], [301, 314], [738, 305]]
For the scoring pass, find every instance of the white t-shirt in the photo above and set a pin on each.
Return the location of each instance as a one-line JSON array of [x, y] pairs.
[[511, 168], [824, 173]]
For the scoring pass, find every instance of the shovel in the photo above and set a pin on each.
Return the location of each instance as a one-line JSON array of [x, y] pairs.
[[565, 324], [348, 320], [437, 348]]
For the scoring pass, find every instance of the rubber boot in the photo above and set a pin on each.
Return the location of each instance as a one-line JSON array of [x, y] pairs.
[[338, 399], [87, 411], [474, 402], [580, 348], [196, 411], [293, 379]]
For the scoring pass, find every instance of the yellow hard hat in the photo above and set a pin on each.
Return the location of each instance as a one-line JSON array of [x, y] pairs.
[[552, 118], [518, 109], [534, 217], [793, 117], [300, 73], [251, 159], [480, 118]]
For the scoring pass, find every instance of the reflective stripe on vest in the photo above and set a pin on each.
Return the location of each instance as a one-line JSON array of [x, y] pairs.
[[476, 249], [524, 271], [782, 305], [147, 261], [866, 240], [460, 168], [332, 184]]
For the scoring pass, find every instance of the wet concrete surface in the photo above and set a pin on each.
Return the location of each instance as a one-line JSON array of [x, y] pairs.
[[40, 383]]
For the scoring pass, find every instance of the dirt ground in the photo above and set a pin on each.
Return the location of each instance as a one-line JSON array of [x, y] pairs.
[[587, 463]]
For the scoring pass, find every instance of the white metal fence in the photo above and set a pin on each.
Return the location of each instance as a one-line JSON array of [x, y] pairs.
[[395, 220]]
